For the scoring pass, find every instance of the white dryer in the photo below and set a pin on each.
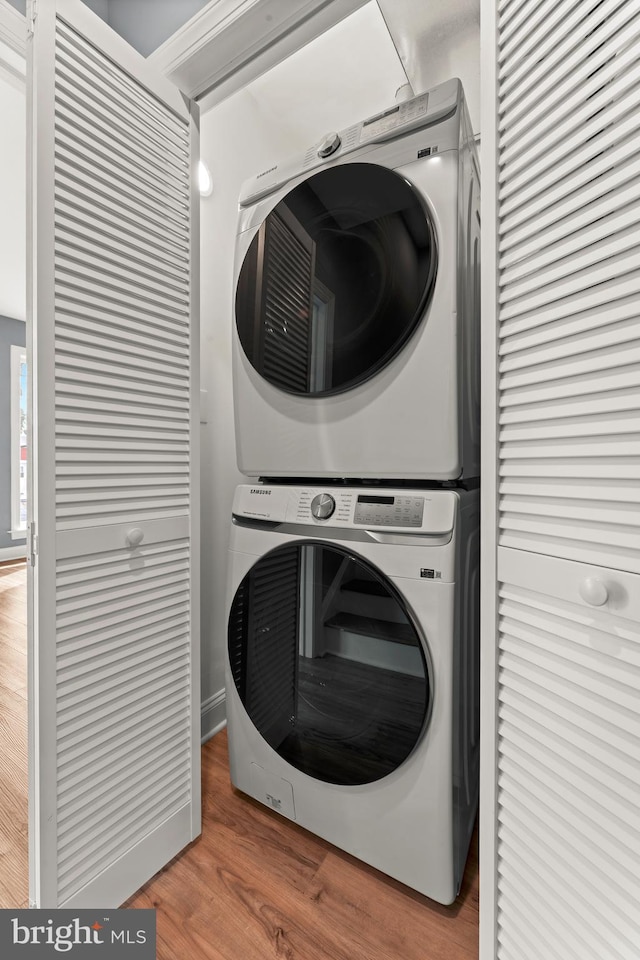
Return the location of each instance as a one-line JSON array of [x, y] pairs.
[[357, 302], [352, 670]]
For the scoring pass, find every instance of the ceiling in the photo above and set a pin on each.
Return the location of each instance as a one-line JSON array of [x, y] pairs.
[[131, 19]]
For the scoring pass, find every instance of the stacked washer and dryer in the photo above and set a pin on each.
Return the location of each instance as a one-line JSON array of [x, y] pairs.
[[352, 671]]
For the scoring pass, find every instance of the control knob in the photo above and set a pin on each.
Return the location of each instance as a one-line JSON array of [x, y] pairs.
[[323, 506], [329, 145]]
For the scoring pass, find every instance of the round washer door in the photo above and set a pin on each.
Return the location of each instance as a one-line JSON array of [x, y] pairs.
[[328, 663], [336, 280]]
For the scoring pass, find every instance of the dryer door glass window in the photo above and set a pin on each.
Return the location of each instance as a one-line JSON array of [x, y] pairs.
[[336, 280], [328, 663]]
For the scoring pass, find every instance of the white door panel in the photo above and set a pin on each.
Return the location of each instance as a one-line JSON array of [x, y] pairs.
[[114, 665], [560, 828], [568, 704]]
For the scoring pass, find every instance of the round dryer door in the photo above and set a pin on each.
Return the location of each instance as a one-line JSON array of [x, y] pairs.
[[336, 280], [328, 663]]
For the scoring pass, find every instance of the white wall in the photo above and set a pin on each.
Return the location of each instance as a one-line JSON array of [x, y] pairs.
[[233, 139], [13, 250], [348, 74]]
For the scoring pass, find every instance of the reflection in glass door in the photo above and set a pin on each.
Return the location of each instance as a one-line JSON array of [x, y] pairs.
[[328, 663], [336, 280]]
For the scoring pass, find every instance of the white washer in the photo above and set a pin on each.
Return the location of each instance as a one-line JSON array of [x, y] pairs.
[[357, 302], [352, 670]]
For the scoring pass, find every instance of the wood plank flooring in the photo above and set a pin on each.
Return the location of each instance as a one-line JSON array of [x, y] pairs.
[[14, 888], [254, 886]]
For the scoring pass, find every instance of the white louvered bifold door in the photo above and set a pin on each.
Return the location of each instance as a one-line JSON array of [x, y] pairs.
[[561, 474], [114, 655]]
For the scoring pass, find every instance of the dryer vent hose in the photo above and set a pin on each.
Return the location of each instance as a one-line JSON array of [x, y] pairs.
[[405, 92]]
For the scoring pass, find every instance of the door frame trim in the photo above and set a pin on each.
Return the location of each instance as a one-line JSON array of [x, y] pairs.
[[225, 46], [13, 28], [489, 490]]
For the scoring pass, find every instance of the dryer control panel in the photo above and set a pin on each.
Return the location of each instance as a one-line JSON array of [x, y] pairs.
[[427, 512], [435, 106], [388, 511]]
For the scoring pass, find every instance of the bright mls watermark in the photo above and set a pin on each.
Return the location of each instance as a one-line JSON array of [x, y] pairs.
[[81, 934]]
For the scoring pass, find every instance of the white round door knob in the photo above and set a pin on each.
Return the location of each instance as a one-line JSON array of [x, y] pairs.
[[135, 536], [594, 591]]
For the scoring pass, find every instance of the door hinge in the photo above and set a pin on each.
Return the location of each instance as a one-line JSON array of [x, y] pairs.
[[32, 13], [33, 543]]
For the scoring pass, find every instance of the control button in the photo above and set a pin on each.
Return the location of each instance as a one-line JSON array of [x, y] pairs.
[[329, 145], [322, 506]]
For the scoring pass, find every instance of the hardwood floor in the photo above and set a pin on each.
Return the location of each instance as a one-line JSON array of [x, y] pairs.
[[254, 886], [14, 891]]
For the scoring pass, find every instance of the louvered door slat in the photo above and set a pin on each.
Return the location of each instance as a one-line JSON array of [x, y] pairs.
[[536, 28], [574, 215], [138, 170], [110, 92], [158, 195], [116, 247], [100, 218], [589, 61], [522, 74], [522, 712], [118, 772], [608, 97], [555, 341], [569, 336], [147, 278]]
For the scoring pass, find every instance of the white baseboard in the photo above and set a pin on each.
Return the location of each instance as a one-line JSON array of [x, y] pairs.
[[213, 715], [18, 552]]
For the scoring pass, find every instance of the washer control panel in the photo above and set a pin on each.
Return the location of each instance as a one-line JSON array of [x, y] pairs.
[[374, 510], [428, 512]]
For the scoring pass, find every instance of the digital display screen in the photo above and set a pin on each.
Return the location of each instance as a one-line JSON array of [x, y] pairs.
[[364, 499], [380, 116]]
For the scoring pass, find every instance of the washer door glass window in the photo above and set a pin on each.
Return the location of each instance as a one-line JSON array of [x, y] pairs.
[[328, 663], [336, 280]]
